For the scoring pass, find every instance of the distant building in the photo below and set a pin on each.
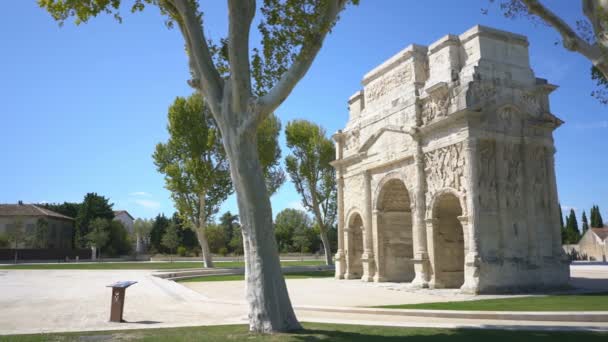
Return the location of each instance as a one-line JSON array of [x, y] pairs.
[[126, 219], [60, 228], [593, 244]]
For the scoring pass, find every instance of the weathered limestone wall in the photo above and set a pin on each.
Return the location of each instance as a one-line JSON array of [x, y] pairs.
[[447, 157]]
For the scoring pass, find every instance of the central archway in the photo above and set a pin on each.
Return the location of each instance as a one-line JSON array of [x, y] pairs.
[[448, 241], [395, 245]]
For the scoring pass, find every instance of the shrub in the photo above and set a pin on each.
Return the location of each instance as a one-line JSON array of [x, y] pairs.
[[3, 241], [181, 251], [223, 251]]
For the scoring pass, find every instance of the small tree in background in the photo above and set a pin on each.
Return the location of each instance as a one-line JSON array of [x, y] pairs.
[[287, 223], [600, 221], [159, 226], [170, 238], [99, 234], [596, 217], [313, 176], [15, 233], [141, 231], [585, 223], [41, 234], [229, 223], [572, 232], [93, 206]]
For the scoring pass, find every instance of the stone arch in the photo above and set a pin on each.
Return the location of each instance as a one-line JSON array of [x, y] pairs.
[[448, 239], [446, 191], [353, 236], [393, 225]]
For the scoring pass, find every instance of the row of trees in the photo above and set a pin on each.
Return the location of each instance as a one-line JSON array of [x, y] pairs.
[[196, 172], [295, 232], [570, 230], [94, 225]]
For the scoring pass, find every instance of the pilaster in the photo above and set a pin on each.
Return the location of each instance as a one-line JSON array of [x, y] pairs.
[[368, 255]]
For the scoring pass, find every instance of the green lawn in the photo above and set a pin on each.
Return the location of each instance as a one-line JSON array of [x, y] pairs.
[[586, 302], [232, 277], [143, 265], [316, 332]]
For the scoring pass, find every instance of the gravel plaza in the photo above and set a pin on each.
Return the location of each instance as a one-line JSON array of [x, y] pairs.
[[78, 300]]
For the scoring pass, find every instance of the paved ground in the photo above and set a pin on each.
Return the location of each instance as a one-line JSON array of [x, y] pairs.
[[76, 300]]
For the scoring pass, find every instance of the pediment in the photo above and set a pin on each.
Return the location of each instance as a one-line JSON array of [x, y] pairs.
[[383, 138]]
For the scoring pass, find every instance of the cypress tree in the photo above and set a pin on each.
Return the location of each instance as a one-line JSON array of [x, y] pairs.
[[593, 217], [600, 221], [572, 228], [585, 223]]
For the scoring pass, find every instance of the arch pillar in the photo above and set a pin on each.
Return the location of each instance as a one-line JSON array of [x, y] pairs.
[[421, 255], [368, 255], [376, 218], [340, 262], [471, 258]]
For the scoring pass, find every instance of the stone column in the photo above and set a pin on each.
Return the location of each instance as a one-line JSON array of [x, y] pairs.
[[421, 257], [339, 259], [347, 251], [368, 255], [379, 271], [471, 259], [430, 224]]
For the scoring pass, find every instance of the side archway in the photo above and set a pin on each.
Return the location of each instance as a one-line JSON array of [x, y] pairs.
[[448, 238], [353, 237]]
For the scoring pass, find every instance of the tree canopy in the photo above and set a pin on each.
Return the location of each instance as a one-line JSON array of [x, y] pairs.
[[309, 168], [242, 87]]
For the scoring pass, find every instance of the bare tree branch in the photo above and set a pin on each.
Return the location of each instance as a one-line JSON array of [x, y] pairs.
[[571, 39], [240, 14], [211, 84], [279, 92]]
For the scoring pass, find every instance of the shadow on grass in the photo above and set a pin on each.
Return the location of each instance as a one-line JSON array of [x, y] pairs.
[[389, 334]]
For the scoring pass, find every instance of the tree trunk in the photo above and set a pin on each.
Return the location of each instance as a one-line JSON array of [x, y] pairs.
[[270, 308], [326, 246], [323, 233], [201, 235]]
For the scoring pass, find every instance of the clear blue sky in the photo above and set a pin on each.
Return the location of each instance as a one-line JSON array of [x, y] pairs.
[[81, 108]]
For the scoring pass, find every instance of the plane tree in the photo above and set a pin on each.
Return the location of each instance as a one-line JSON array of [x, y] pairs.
[[242, 86]]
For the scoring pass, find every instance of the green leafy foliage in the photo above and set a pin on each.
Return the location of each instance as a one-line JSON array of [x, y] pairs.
[[193, 160], [216, 236], [161, 222], [15, 233], [286, 27], [308, 167], [99, 234], [571, 233], [40, 238], [585, 222], [293, 230], [596, 217], [93, 206], [170, 239], [119, 242]]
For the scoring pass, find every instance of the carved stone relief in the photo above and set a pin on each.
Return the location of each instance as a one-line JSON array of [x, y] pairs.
[[513, 169], [382, 86], [445, 168], [434, 107], [486, 184]]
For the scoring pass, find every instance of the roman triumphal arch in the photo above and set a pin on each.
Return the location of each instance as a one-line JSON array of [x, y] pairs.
[[446, 170]]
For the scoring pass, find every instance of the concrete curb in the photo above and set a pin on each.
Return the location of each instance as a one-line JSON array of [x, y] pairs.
[[565, 316], [186, 274]]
